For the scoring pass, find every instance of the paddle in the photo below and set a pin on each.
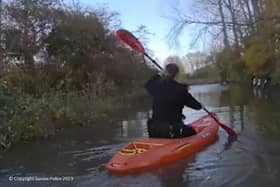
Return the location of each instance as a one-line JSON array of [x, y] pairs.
[[229, 130], [129, 39]]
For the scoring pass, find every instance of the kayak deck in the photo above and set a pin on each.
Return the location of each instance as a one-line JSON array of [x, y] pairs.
[[149, 153]]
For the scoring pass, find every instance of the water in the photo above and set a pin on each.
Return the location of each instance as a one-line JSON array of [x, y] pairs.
[[77, 156]]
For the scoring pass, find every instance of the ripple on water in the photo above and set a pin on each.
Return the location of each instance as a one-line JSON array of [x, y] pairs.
[[93, 159], [251, 161]]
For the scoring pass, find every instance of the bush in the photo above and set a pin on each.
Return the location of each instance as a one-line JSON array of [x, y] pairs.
[[25, 117], [84, 76]]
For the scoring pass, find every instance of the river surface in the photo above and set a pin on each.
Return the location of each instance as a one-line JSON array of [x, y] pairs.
[[77, 156]]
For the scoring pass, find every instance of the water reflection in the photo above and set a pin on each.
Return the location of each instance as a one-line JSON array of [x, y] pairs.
[[134, 128], [251, 161], [175, 173]]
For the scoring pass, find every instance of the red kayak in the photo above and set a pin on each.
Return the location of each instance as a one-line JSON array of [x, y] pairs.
[[150, 153]]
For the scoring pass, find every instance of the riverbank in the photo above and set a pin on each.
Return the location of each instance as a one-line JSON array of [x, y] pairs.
[[27, 118], [247, 82]]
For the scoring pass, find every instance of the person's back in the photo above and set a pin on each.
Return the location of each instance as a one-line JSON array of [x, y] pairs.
[[169, 98]]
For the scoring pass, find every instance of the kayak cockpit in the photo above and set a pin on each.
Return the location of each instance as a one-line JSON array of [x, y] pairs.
[[136, 147]]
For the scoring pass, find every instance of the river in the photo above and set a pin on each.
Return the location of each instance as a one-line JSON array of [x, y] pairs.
[[77, 156]]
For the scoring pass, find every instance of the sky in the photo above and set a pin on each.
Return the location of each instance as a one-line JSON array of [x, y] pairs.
[[153, 14]]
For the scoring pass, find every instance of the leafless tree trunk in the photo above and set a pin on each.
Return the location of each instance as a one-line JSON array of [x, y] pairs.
[[250, 14], [1, 35], [244, 15], [256, 8], [0, 15], [230, 7], [0, 25], [226, 41]]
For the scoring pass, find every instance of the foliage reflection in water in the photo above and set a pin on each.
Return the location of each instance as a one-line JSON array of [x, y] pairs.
[[252, 160]]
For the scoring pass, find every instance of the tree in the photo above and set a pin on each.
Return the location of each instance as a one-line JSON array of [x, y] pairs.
[[263, 47], [1, 35], [231, 8], [32, 19], [246, 27], [79, 35], [224, 26]]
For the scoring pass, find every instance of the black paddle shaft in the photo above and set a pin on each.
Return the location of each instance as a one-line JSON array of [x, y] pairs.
[[207, 111], [151, 59]]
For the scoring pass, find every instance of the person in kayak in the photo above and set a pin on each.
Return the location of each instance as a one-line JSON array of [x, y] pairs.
[[169, 98]]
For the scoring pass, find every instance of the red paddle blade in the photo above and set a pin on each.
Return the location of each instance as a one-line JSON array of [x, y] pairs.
[[229, 130], [129, 39]]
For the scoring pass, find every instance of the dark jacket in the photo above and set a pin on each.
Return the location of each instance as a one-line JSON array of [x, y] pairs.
[[169, 98]]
